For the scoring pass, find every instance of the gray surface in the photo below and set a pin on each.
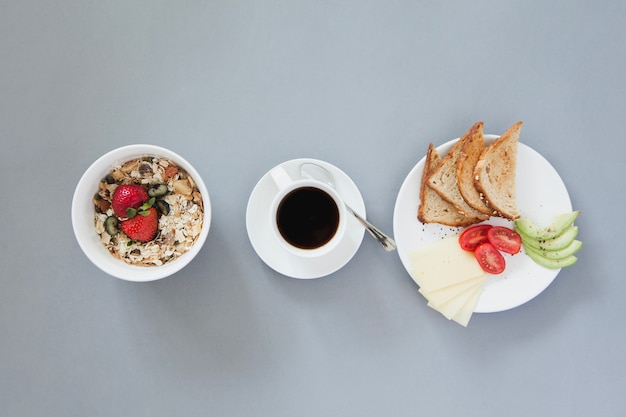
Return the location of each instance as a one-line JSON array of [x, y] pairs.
[[237, 87]]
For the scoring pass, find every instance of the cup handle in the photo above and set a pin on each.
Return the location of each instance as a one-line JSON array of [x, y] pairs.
[[281, 177]]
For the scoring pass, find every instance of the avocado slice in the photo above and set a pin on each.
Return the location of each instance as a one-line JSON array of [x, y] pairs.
[[571, 249], [549, 263], [558, 243], [560, 223]]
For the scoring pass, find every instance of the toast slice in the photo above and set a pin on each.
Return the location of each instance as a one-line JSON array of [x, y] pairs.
[[433, 208], [494, 173], [443, 179], [470, 153]]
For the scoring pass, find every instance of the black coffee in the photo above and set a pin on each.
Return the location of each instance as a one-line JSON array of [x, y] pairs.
[[307, 218]]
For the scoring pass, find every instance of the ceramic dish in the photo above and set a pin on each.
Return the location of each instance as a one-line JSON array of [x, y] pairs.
[[83, 215], [268, 247], [541, 194]]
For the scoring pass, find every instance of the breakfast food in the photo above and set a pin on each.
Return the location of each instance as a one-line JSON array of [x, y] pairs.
[[452, 271], [449, 278], [478, 181], [445, 181], [142, 227], [487, 241], [128, 197], [473, 146], [433, 208], [553, 246], [456, 269], [494, 173], [148, 211], [560, 224]]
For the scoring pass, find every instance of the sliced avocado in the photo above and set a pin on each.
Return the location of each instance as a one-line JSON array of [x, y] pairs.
[[571, 249], [558, 243], [549, 263], [560, 223]]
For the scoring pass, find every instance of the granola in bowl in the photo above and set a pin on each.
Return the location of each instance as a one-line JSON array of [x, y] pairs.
[[178, 206]]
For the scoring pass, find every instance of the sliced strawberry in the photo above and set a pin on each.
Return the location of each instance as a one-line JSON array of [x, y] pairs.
[[143, 227], [128, 196]]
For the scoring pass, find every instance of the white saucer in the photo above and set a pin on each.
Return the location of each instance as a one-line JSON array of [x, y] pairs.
[[269, 249]]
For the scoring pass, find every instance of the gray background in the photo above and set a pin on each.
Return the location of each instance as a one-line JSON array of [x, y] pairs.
[[237, 87]]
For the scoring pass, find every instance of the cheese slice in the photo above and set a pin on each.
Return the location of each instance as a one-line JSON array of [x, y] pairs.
[[464, 315], [440, 296], [452, 307], [443, 264], [449, 278]]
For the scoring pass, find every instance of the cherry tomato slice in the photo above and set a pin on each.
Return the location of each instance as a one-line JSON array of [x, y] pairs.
[[505, 239], [474, 236], [489, 258]]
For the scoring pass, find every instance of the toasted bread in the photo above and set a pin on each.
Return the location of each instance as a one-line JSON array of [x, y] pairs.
[[470, 153], [443, 179], [433, 208], [494, 173]]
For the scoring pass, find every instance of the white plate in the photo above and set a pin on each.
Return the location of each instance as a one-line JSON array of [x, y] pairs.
[[541, 194], [269, 249]]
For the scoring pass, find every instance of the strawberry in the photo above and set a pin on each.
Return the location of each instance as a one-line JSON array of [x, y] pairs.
[[128, 196], [143, 227]]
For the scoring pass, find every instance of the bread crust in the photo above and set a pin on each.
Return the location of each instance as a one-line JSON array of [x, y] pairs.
[[433, 208], [443, 179], [470, 153], [494, 173]]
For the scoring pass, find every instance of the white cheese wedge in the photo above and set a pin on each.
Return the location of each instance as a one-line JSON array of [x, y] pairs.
[[440, 296], [442, 264]]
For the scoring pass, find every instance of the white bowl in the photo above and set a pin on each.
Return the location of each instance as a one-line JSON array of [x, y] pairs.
[[83, 215]]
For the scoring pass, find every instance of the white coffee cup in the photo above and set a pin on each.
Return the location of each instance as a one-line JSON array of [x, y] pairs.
[[308, 217]]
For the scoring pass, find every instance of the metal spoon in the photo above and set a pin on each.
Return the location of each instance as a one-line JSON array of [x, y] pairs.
[[321, 174]]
